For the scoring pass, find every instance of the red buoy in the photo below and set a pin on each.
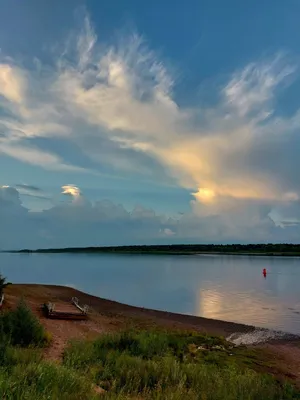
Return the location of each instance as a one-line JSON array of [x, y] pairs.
[[264, 272]]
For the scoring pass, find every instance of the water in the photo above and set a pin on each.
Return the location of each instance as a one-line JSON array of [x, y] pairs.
[[230, 288]]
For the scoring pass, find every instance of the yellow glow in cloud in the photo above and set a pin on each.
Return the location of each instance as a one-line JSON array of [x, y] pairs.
[[237, 190], [71, 190], [11, 84], [205, 195]]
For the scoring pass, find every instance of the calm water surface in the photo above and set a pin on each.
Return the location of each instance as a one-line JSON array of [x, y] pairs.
[[231, 288]]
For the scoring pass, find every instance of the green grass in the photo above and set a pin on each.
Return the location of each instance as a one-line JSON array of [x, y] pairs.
[[159, 365], [150, 365], [23, 373], [27, 377]]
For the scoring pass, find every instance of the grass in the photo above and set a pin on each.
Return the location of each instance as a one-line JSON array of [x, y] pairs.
[[159, 365], [149, 365], [24, 375]]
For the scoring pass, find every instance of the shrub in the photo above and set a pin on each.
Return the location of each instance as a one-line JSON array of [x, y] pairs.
[[22, 327], [3, 285]]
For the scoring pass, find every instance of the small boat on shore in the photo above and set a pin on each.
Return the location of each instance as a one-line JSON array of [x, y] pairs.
[[66, 310]]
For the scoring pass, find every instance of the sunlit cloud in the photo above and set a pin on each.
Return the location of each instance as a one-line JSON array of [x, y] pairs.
[[205, 195], [118, 105], [82, 222], [71, 190], [11, 83]]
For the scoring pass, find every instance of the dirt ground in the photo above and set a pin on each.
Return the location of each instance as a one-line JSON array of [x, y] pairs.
[[107, 316]]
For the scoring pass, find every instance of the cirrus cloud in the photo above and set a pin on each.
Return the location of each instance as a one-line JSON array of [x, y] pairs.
[[118, 106]]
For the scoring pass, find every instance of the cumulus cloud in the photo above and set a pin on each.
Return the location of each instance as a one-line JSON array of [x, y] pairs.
[[103, 223], [118, 105], [32, 191], [75, 223], [9, 196], [168, 232]]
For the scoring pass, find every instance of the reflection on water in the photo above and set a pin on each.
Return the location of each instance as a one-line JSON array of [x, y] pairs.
[[222, 287], [245, 308], [209, 303]]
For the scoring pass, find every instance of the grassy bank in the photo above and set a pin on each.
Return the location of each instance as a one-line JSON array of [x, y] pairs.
[[159, 365], [134, 364]]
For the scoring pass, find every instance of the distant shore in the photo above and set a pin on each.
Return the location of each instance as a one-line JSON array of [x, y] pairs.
[[269, 250]]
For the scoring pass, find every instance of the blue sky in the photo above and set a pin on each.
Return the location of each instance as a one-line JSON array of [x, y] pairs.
[[187, 116]]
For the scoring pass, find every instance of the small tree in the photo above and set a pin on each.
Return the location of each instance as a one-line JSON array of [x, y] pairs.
[[3, 284]]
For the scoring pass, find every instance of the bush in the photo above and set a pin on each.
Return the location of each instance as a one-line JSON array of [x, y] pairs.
[[3, 285], [21, 327]]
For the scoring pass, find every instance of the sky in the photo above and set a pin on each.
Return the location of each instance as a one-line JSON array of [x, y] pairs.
[[144, 123]]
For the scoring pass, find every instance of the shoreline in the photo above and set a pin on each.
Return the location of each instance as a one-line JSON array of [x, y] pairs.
[[127, 314], [273, 354], [277, 357], [157, 253], [250, 249]]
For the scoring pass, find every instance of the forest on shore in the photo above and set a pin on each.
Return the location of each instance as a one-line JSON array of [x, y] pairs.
[[277, 249]]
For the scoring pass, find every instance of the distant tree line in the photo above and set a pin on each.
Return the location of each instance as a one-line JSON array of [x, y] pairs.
[[261, 248]]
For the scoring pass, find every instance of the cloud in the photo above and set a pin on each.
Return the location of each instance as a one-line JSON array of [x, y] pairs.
[[71, 190], [118, 105], [168, 232], [103, 223], [75, 193], [75, 223], [250, 90], [12, 83], [32, 191], [28, 187], [9, 196]]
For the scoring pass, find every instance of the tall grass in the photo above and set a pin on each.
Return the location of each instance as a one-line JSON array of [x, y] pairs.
[[43, 381], [158, 365]]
